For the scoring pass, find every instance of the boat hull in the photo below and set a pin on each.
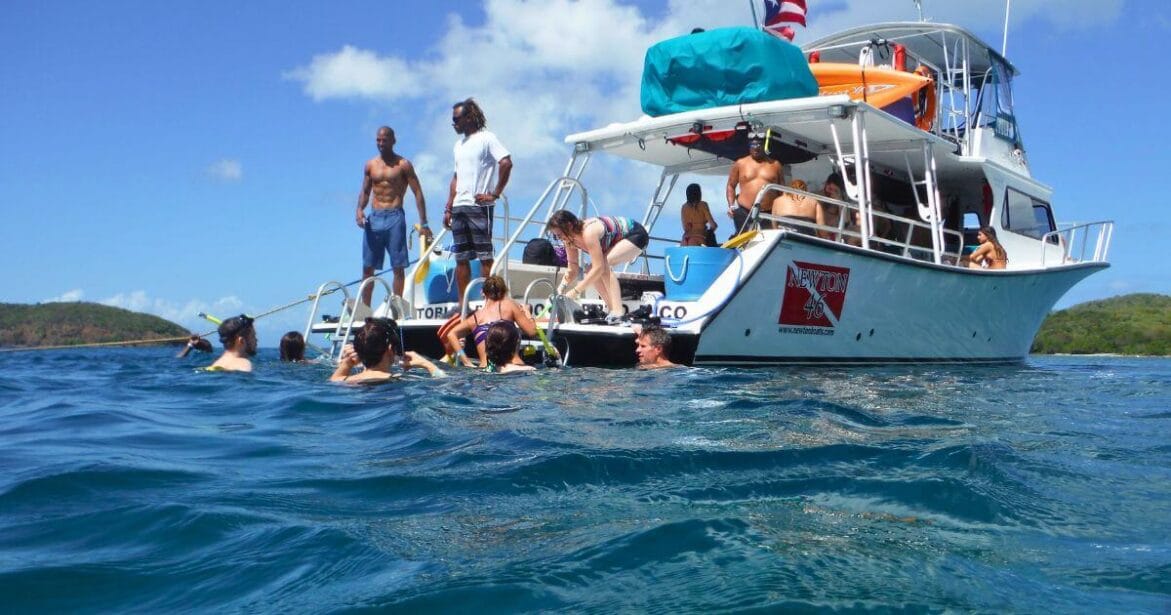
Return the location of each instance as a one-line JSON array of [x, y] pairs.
[[812, 301], [802, 300]]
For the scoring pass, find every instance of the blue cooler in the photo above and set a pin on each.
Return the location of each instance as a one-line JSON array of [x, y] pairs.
[[439, 286], [691, 270]]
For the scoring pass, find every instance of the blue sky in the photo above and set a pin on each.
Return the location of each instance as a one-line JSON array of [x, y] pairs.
[[179, 157]]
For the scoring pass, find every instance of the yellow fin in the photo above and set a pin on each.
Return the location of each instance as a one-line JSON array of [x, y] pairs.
[[421, 274], [739, 240]]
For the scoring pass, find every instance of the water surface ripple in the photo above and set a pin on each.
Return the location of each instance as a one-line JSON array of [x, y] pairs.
[[129, 481]]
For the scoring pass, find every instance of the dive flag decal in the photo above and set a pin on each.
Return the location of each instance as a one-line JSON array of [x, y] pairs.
[[814, 295]]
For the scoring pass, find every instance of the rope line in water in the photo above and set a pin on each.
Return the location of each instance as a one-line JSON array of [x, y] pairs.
[[159, 340]]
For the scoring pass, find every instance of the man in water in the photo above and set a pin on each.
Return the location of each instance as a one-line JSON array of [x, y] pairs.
[[653, 344], [478, 154], [748, 175], [239, 339], [387, 175]]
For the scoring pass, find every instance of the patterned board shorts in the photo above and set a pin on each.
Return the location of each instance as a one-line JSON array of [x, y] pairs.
[[471, 229]]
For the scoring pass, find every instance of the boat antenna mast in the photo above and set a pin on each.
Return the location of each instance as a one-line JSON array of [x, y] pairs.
[[755, 21], [1004, 45]]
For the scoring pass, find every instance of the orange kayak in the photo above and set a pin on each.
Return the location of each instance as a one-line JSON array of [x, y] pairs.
[[880, 87]]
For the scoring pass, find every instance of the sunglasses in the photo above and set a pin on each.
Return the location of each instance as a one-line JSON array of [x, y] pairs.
[[455, 120]]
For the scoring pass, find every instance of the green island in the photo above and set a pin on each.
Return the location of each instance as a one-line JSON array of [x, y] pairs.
[[68, 324], [1138, 324]]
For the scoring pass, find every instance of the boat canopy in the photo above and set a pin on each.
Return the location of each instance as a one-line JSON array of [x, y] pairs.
[[939, 45], [725, 66], [676, 142]]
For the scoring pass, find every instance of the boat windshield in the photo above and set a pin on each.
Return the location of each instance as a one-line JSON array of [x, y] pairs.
[[996, 108]]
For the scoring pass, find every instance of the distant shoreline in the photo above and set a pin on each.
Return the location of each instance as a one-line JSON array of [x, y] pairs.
[[81, 324]]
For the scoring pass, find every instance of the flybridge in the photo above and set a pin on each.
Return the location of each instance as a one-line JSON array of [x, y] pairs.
[[974, 82]]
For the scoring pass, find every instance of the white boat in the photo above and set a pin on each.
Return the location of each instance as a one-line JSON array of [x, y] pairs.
[[787, 296]]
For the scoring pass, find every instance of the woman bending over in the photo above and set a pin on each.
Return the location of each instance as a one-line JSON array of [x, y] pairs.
[[610, 241]]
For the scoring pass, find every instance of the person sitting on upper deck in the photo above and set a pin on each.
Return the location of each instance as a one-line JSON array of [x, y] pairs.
[[498, 307], [882, 228], [830, 214], [798, 207], [697, 218], [990, 254], [745, 179], [377, 345], [610, 241], [502, 346]]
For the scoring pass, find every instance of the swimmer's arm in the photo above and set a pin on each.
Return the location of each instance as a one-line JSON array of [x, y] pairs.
[[414, 359], [455, 335], [346, 365]]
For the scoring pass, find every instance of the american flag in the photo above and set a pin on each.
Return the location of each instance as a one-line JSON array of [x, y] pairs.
[[780, 12]]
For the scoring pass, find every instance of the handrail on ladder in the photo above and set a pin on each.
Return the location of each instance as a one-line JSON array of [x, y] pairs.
[[533, 211], [327, 288], [463, 305], [340, 343]]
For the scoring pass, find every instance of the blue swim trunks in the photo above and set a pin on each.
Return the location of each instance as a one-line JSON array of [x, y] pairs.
[[386, 231]]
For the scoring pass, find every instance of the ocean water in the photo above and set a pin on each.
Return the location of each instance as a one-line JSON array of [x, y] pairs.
[[130, 482]]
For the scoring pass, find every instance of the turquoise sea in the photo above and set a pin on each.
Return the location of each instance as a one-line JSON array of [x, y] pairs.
[[130, 482]]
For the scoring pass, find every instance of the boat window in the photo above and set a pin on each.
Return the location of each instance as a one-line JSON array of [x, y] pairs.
[[1026, 215]]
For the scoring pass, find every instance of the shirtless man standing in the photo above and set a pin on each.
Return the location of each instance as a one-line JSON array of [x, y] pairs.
[[385, 231], [798, 207], [750, 174]]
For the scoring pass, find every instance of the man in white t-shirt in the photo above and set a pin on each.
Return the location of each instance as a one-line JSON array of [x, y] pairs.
[[475, 187]]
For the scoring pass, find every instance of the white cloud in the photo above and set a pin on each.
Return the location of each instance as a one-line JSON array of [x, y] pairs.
[[185, 313], [354, 72], [68, 296], [225, 170]]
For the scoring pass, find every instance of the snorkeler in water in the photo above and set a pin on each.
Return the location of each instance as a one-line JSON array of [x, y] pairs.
[[238, 336], [377, 345]]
